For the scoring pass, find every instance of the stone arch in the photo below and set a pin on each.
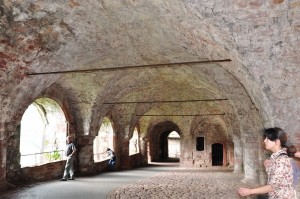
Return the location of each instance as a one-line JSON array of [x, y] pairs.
[[158, 134], [213, 129], [173, 145], [104, 139], [134, 144], [43, 132], [14, 172]]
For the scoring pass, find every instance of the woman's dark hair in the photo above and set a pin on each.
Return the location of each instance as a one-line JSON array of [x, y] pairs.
[[291, 150], [277, 133]]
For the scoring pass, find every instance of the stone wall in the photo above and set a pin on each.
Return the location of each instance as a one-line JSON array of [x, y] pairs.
[[2, 167], [261, 83], [44, 172], [137, 160]]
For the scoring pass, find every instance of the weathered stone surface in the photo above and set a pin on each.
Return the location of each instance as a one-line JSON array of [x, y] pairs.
[[260, 83]]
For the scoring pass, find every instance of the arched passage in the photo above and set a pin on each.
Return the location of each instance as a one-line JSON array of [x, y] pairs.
[[134, 142], [43, 133], [174, 145], [103, 140], [159, 140]]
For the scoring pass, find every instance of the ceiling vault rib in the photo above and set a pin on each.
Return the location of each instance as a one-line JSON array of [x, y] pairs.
[[188, 115], [128, 67], [167, 101]]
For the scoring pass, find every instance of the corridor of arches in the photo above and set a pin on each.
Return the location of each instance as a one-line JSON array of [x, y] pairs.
[[187, 82]]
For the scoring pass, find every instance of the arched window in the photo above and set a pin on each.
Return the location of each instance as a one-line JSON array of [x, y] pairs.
[[173, 145], [134, 143], [103, 141], [43, 133]]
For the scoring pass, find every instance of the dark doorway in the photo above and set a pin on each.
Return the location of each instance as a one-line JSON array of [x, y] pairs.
[[217, 154], [165, 148]]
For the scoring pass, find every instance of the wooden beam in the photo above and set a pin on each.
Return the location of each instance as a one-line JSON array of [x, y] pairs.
[[186, 115], [127, 67], [166, 101]]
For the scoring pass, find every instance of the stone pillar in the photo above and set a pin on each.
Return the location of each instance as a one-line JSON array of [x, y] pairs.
[[124, 154], [13, 167], [85, 159], [144, 150], [262, 170], [238, 155], [2, 162], [251, 161], [224, 153], [188, 153], [8, 165]]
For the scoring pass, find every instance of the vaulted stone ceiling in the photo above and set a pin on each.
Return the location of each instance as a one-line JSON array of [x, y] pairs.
[[260, 37]]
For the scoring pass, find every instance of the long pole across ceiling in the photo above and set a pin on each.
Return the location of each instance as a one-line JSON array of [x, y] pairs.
[[166, 101], [127, 67], [188, 115]]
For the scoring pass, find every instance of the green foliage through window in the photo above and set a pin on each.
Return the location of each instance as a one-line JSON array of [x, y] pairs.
[[53, 155]]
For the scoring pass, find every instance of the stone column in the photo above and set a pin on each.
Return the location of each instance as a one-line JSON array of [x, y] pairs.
[[262, 170], [13, 156], [251, 160], [225, 148], [9, 167], [122, 147], [2, 162], [144, 150], [124, 154], [238, 155], [188, 153], [85, 159], [231, 153]]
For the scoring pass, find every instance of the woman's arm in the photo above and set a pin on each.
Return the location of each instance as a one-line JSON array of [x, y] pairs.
[[258, 190], [297, 154]]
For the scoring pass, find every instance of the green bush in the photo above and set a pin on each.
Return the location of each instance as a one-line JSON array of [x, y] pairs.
[[53, 156]]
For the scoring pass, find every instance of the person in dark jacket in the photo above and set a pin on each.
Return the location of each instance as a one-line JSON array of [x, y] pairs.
[[112, 159]]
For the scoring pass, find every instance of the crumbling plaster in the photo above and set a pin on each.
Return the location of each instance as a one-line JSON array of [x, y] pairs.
[[74, 20]]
